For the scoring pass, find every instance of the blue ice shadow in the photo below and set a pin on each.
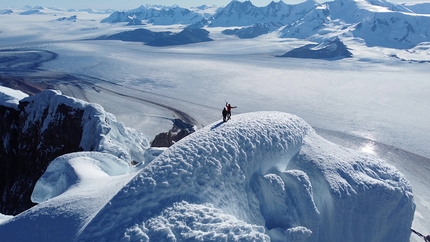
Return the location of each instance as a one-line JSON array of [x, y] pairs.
[[217, 125]]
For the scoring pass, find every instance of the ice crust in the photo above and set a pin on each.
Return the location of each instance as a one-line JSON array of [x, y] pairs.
[[268, 170]]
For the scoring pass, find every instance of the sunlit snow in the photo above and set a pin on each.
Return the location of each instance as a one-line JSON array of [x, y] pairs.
[[261, 175], [264, 175], [10, 97]]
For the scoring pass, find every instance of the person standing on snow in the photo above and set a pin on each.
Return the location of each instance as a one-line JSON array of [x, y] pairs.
[[226, 113]]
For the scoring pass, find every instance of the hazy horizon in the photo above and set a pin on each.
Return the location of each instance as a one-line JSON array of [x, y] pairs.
[[118, 5]]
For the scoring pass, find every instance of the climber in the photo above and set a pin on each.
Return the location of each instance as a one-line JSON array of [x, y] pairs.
[[226, 112]]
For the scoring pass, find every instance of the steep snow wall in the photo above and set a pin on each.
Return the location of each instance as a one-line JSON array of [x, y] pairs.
[[359, 197], [261, 176], [74, 169], [42, 127], [71, 191], [97, 130]]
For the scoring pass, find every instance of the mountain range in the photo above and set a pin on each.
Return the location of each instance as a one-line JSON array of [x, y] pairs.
[[378, 23]]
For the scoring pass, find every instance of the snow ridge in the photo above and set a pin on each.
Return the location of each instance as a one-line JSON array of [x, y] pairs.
[[157, 15], [377, 22], [10, 97], [264, 170], [213, 165], [101, 131]]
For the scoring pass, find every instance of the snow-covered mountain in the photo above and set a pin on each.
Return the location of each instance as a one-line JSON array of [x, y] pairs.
[[353, 11], [245, 13], [252, 31], [329, 49], [72, 18], [259, 177], [6, 11], [421, 8], [157, 15], [390, 6], [395, 29], [166, 38], [39, 128], [206, 10], [236, 13], [378, 23], [309, 25]]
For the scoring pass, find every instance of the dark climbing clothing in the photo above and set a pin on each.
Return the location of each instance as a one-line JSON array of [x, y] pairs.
[[227, 112]]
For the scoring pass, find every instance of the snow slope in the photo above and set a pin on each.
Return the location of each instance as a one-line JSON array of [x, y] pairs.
[[261, 176], [77, 186], [351, 96], [371, 96], [48, 125], [396, 29], [101, 131], [10, 97]]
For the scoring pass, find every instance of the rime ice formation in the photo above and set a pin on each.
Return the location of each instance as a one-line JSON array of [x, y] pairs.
[[265, 170]]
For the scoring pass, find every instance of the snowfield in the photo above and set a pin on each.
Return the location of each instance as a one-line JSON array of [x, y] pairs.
[[263, 176], [269, 174]]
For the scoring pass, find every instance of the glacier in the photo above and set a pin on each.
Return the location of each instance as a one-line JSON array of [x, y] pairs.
[[264, 176]]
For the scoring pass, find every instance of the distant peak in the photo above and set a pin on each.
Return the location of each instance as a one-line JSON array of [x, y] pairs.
[[247, 2], [276, 3]]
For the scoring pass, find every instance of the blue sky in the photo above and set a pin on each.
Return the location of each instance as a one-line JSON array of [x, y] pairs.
[[130, 4]]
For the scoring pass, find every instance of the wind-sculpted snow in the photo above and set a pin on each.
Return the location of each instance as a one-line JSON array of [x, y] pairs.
[[359, 197], [75, 169], [261, 176], [71, 192], [10, 97], [100, 130], [4, 218]]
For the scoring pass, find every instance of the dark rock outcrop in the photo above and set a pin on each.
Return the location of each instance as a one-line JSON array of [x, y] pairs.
[[47, 125], [73, 18], [166, 38], [135, 21], [10, 164], [30, 146], [179, 131], [186, 36], [17, 83], [137, 35], [331, 49], [199, 24], [253, 31]]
